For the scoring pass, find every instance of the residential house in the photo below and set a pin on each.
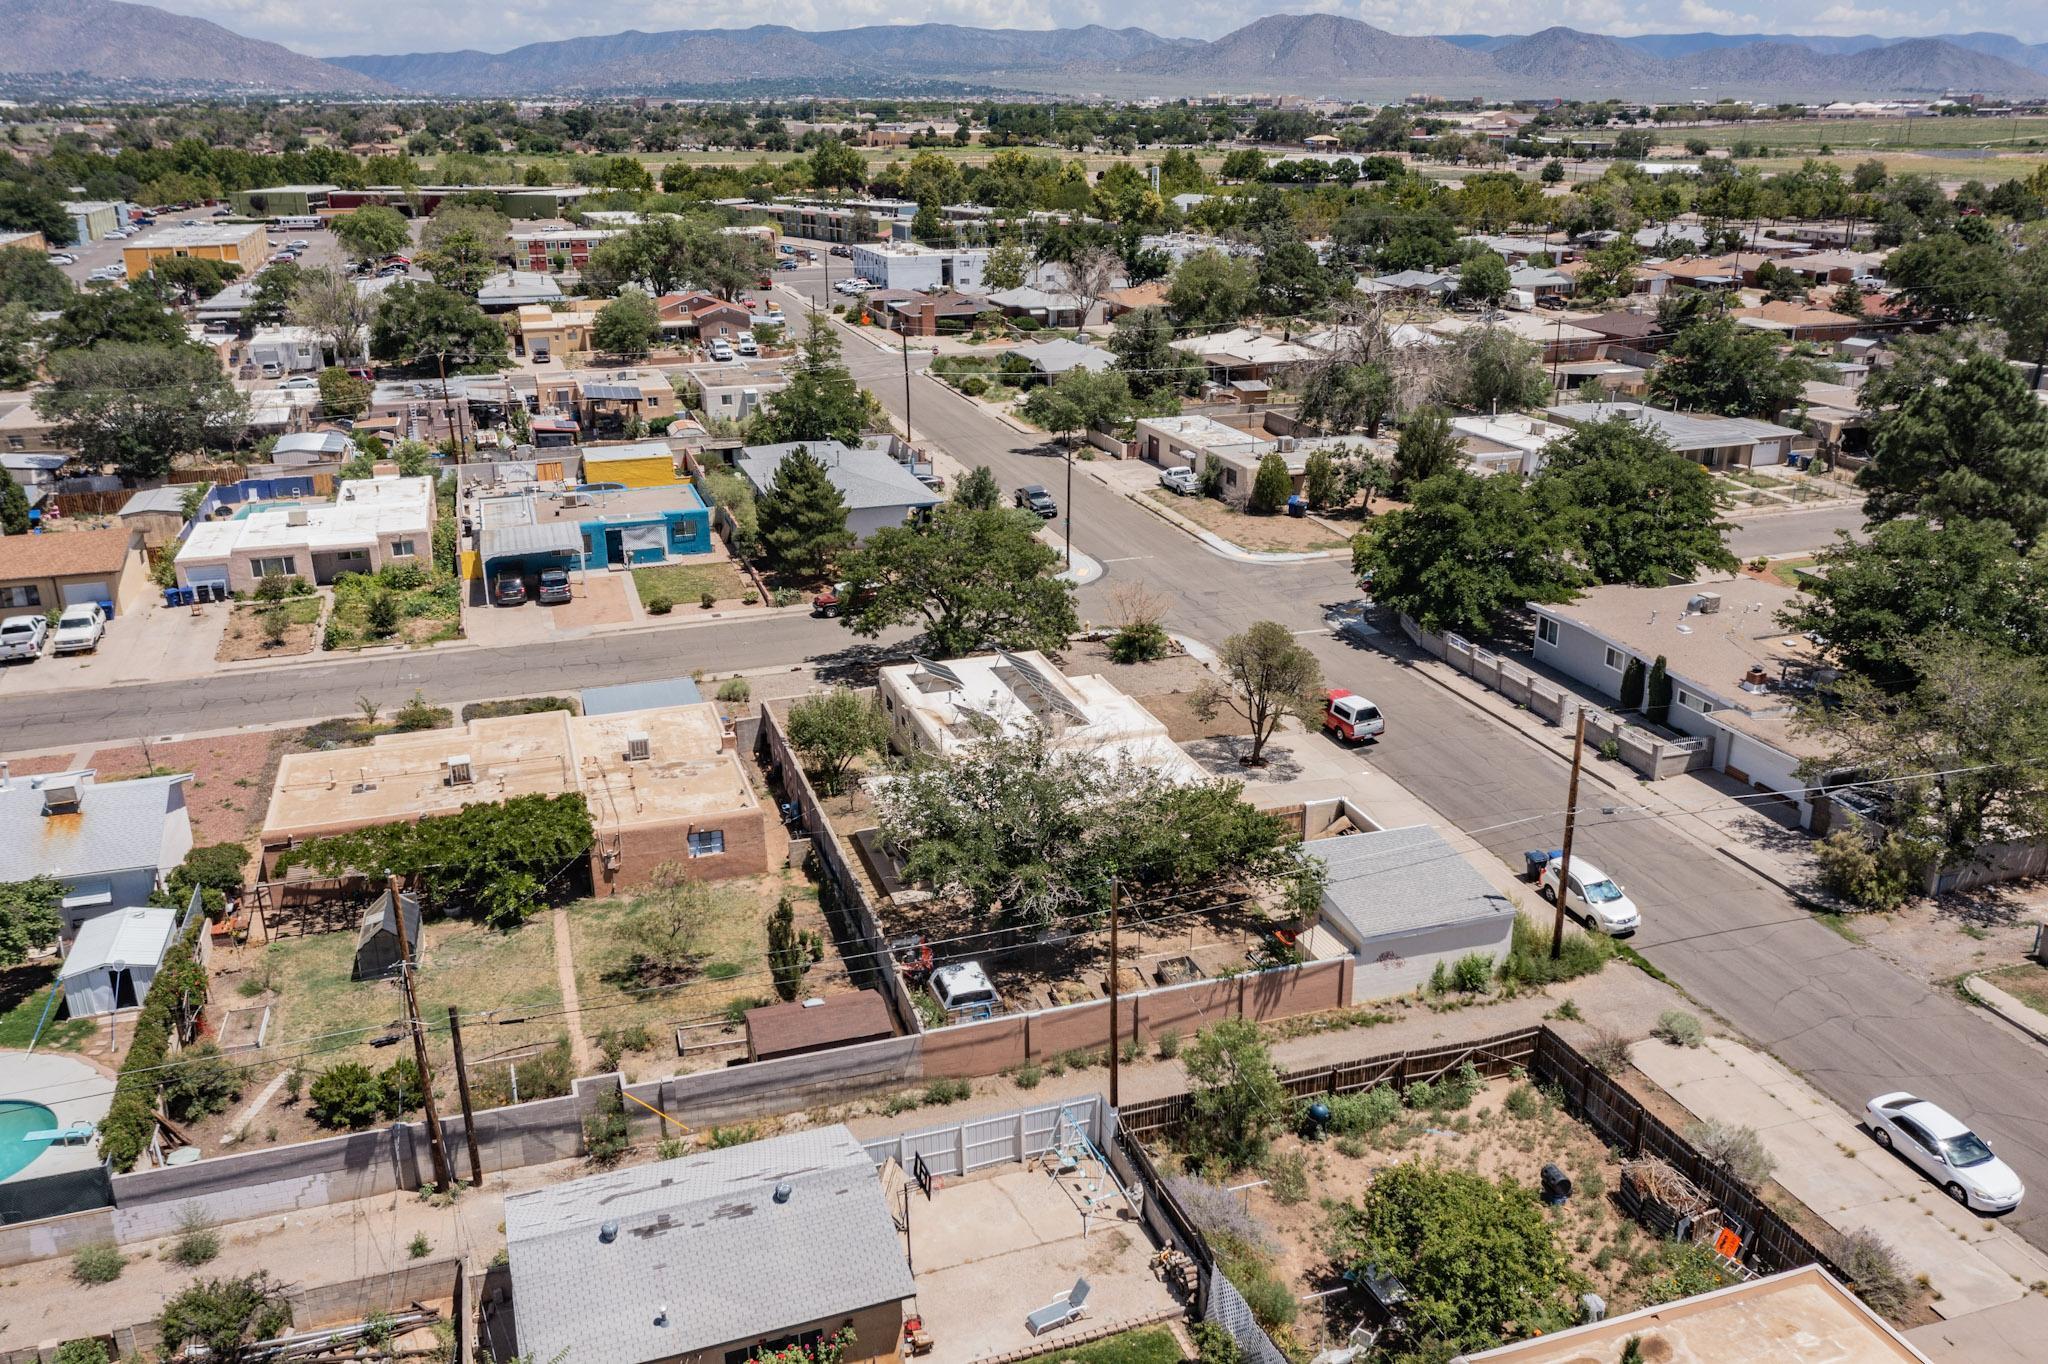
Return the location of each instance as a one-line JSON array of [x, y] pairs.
[[1419, 284], [606, 402], [1540, 282], [113, 844], [707, 317], [1559, 339], [1736, 674], [114, 958], [876, 487], [664, 786], [1835, 267], [1047, 307], [559, 332], [40, 475], [1613, 378], [1245, 353], [520, 534], [275, 352], [238, 244], [511, 290], [1117, 302], [945, 708], [370, 523], [24, 431], [1637, 331], [1717, 442], [906, 265], [280, 411], [45, 572], [1521, 250], [155, 515], [1511, 442], [305, 449], [1645, 281], [1192, 441], [731, 391], [916, 313], [1796, 321], [1050, 359], [1404, 904], [1731, 271], [716, 1256]]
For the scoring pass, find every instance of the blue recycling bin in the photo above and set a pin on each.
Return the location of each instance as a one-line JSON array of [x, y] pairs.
[[1535, 860], [1296, 507]]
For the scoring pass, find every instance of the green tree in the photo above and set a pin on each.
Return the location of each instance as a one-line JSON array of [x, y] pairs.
[[1079, 400], [21, 345], [272, 292], [1269, 676], [972, 579], [228, 1316], [802, 517], [188, 279], [1633, 678], [427, 325], [1491, 370], [1944, 278], [1718, 367], [14, 518], [1609, 272], [1348, 396], [2023, 309], [1428, 446], [347, 1094], [371, 233], [832, 731], [135, 406], [1476, 1255], [1290, 278], [461, 245], [1236, 1102], [820, 402], [1962, 439], [835, 165], [343, 394], [330, 304], [1008, 266], [1646, 514], [978, 490], [26, 208], [1322, 481], [627, 325], [1271, 485], [127, 315], [29, 277], [1657, 693], [1211, 289], [1469, 549], [789, 954], [29, 918], [1483, 279], [1154, 370]]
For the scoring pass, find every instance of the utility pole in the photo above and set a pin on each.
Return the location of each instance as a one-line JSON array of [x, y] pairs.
[[906, 389], [1069, 509], [476, 1166], [442, 1177], [447, 406], [1564, 860], [1116, 896]]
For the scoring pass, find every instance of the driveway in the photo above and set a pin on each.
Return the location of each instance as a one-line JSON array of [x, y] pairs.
[[152, 643], [601, 599]]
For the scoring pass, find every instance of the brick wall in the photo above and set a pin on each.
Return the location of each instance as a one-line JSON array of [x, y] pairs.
[[643, 849]]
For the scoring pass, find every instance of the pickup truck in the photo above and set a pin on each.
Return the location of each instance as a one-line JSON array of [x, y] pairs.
[[1351, 717], [1179, 479], [22, 637]]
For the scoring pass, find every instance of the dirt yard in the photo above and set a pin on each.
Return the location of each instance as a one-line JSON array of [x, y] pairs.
[[247, 637], [1278, 532], [1938, 940], [231, 778]]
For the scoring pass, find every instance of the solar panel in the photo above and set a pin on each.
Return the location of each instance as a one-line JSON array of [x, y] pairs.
[[1047, 688], [938, 670]]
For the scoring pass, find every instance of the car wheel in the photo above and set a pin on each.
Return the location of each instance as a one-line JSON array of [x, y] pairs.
[[1957, 1192], [1881, 1137], [1547, 894]]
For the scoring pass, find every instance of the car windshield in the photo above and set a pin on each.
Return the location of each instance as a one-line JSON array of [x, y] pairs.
[[1602, 892], [1967, 1150]]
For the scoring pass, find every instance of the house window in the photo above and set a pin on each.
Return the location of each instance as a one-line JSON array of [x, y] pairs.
[[284, 565], [1691, 702], [28, 594], [707, 843], [1546, 630], [403, 549], [1616, 659]]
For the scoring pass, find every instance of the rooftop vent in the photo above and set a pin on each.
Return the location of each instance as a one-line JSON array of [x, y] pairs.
[[362, 788], [1706, 603], [61, 794], [639, 748], [459, 771], [608, 1233], [783, 1191]]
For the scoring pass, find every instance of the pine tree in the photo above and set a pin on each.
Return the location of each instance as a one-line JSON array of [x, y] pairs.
[[1632, 685], [1272, 484], [802, 517], [1658, 708], [786, 955], [979, 490], [13, 507]]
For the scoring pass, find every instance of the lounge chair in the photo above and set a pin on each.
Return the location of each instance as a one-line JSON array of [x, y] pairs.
[[1066, 1308]]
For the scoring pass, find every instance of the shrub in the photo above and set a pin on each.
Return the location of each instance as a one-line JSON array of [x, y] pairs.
[[545, 1075], [1606, 1050], [974, 385], [1169, 1044], [1028, 1075], [347, 1095], [130, 1122], [1873, 1270], [1287, 1177], [1679, 1028], [1529, 963], [80, 1352], [736, 689], [740, 1135], [403, 1091], [1271, 1301], [101, 1262], [197, 1243], [1736, 1149], [273, 587], [1875, 876], [419, 1247], [1471, 972], [606, 1135], [1139, 643], [947, 1091], [403, 575], [199, 1082], [1522, 1102], [660, 604], [669, 1148], [418, 714], [1690, 1268], [708, 600], [1215, 1345], [1365, 1112]]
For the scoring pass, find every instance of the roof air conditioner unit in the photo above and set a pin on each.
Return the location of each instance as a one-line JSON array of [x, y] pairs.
[[65, 793], [1706, 603], [295, 516], [460, 772], [638, 748]]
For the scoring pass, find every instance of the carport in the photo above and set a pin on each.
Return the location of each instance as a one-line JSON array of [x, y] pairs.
[[529, 548]]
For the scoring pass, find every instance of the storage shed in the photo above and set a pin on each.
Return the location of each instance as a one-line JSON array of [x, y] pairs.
[[775, 1030], [1403, 901], [377, 952], [114, 958]]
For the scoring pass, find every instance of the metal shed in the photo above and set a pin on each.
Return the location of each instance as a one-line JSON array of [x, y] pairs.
[[114, 959]]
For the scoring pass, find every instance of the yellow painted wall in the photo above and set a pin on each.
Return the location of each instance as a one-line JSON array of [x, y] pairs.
[[651, 471]]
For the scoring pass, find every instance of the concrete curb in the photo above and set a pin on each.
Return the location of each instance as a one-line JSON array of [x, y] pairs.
[[2027, 1019]]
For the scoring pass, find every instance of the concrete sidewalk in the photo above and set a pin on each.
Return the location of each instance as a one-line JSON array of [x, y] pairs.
[[1831, 1164]]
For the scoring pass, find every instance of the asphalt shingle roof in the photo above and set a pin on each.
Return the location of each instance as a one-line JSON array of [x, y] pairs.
[[1401, 881], [866, 478], [703, 1238], [63, 554], [118, 826]]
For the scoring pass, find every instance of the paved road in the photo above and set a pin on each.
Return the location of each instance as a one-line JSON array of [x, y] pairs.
[[1795, 532]]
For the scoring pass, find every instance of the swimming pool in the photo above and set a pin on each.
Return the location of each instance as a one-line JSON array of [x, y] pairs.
[[19, 1117]]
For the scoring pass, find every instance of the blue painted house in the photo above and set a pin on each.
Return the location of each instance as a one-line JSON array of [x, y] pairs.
[[592, 527]]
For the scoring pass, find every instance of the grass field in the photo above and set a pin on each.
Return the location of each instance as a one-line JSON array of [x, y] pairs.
[[1891, 133], [24, 992]]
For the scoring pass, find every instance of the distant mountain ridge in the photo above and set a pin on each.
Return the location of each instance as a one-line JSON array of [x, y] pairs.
[[117, 44]]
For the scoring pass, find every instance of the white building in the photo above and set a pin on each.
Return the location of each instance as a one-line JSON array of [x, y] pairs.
[[945, 707], [1511, 442], [906, 265], [371, 522], [114, 958], [277, 351], [1403, 902]]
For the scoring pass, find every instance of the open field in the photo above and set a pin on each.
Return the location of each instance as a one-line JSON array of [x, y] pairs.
[[686, 584], [1856, 133]]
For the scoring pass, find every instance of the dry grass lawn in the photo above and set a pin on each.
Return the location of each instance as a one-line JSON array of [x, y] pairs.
[[1280, 532], [245, 638]]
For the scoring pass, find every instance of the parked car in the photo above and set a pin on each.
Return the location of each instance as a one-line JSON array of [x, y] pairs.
[[1033, 498], [1350, 716], [836, 599], [299, 381], [1946, 1151], [63, 258], [1180, 479], [721, 350], [1593, 898], [787, 265], [842, 251], [300, 243], [79, 629], [554, 587], [748, 346], [963, 987], [22, 637], [510, 590]]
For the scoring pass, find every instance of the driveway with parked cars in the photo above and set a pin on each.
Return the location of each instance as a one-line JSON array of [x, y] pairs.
[[151, 643]]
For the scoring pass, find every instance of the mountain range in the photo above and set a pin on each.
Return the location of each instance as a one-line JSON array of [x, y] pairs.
[[79, 45]]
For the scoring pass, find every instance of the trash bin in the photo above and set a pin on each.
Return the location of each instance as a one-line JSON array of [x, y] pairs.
[[1296, 507], [1535, 860]]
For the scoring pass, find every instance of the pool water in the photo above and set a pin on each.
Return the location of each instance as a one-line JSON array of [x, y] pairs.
[[19, 1117]]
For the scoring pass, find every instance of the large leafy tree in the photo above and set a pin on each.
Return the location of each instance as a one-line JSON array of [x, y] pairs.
[[833, 730], [21, 346], [130, 315], [1491, 370], [135, 406], [627, 325], [461, 245], [1468, 548], [271, 293], [427, 325], [1291, 279], [1483, 279], [371, 232], [1348, 396], [1079, 400], [329, 303], [1944, 278], [1646, 514], [972, 579], [2023, 307], [1236, 1102], [820, 402], [188, 279], [29, 919], [1427, 446], [1718, 367], [1143, 345], [1211, 289], [1969, 441], [1269, 675], [802, 517], [29, 277], [1912, 579], [25, 208]]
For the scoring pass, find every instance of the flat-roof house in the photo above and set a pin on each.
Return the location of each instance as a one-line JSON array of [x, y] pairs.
[[714, 1257], [1511, 442], [537, 250], [276, 351], [512, 289], [579, 528], [112, 843], [370, 523], [731, 391], [1717, 442], [945, 708], [877, 489], [1245, 353], [1048, 307], [555, 332], [1560, 340], [44, 572], [1192, 441], [663, 786], [1402, 902]]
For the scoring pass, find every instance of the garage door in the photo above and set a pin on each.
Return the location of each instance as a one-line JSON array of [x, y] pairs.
[[78, 593]]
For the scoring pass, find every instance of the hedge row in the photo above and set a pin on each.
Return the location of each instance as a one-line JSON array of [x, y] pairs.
[[130, 1123]]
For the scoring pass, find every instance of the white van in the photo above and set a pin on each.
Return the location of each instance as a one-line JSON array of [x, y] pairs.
[[963, 987]]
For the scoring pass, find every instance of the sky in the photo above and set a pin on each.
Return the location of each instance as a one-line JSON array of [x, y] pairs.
[[334, 27]]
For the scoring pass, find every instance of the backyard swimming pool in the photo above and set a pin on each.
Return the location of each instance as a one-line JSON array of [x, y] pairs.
[[18, 1117]]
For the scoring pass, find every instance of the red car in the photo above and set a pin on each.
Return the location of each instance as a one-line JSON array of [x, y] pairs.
[[1353, 718]]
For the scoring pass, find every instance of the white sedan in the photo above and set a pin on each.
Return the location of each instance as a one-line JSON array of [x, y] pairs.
[[79, 629], [1945, 1150], [1593, 898]]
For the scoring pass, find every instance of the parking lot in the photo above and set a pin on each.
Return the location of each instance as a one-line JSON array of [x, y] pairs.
[[322, 250]]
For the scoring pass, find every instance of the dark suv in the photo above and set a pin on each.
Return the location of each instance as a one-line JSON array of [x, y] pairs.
[[509, 591], [1033, 498], [554, 587]]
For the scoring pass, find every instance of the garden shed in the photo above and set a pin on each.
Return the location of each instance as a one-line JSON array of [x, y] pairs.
[[377, 953], [114, 958]]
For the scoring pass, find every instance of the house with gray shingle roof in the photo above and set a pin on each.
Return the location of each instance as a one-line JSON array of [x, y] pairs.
[[1404, 901], [714, 1256], [878, 490], [110, 843]]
